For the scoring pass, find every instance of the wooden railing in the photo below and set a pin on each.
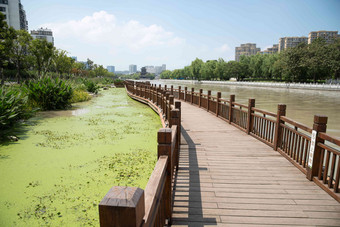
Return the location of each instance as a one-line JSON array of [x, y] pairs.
[[293, 140], [130, 206]]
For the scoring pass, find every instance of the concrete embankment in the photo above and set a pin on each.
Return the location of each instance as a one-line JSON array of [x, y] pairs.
[[308, 86]]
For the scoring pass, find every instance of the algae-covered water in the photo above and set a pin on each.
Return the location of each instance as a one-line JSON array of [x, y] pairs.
[[66, 161]]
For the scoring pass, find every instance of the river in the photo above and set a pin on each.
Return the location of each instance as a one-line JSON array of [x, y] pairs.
[[66, 161], [302, 105]]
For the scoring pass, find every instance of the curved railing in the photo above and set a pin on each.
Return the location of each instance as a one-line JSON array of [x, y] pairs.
[[130, 206]]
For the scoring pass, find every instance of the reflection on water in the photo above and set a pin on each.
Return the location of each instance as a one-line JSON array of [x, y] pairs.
[[79, 112], [302, 105]]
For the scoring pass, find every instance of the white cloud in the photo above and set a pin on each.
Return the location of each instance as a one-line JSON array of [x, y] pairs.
[[103, 28]]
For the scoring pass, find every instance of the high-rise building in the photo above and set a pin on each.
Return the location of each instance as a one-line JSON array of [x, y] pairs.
[[271, 50], [132, 69], [158, 70], [328, 36], [110, 68], [150, 69], [288, 42], [43, 33], [14, 13], [163, 67], [247, 49]]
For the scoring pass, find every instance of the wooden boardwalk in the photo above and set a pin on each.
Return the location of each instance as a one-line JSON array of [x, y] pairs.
[[228, 178]]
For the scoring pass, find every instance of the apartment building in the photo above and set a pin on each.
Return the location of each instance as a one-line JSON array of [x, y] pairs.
[[271, 50], [247, 49], [328, 36], [110, 68], [14, 13], [43, 33], [288, 42], [132, 69]]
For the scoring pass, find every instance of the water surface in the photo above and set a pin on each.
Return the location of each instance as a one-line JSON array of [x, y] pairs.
[[66, 161]]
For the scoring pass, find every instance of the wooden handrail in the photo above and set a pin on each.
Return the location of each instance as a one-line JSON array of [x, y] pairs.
[[297, 124]]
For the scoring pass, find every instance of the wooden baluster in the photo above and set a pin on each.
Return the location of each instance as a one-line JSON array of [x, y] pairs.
[[200, 97], [250, 120], [172, 90], [208, 99], [231, 105], [281, 111], [192, 95], [185, 93], [320, 125], [218, 101], [122, 206], [179, 92], [164, 148]]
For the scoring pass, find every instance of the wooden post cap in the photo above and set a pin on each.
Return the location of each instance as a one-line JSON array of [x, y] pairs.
[[320, 119], [177, 104], [122, 206], [164, 136]]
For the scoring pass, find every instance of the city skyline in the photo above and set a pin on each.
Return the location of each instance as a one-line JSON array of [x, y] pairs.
[[175, 33]]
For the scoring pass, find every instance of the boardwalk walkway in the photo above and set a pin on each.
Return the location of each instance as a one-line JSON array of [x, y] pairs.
[[227, 178]]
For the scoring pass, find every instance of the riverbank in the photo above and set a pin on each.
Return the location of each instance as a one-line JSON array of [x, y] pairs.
[[307, 86], [66, 161]]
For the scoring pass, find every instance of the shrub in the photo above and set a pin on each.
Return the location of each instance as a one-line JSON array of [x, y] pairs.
[[80, 95], [91, 86], [119, 83], [50, 94], [13, 107]]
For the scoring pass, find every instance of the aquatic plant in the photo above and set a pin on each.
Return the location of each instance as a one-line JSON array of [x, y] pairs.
[[91, 86], [49, 94], [80, 95], [13, 107]]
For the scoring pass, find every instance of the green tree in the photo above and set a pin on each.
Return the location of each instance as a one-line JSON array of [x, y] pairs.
[[7, 35], [41, 55], [89, 64], [165, 74], [61, 62], [19, 51], [236, 70], [208, 70], [196, 67]]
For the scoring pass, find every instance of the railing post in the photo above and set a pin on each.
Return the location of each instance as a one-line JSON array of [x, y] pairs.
[[208, 100], [165, 88], [172, 90], [171, 102], [218, 101], [164, 148], [185, 94], [122, 206], [166, 106], [192, 95], [200, 97], [281, 111], [320, 125], [179, 92], [251, 104], [231, 105], [178, 107], [175, 120]]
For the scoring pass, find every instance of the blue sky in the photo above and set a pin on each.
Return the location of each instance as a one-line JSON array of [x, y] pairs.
[[154, 32]]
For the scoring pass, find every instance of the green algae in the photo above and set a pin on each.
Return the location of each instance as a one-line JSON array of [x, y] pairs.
[[66, 161]]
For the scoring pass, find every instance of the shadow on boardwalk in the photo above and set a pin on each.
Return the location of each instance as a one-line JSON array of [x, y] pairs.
[[188, 200]]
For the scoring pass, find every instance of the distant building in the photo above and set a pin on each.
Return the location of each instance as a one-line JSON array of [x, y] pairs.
[[163, 67], [271, 50], [328, 36], [247, 49], [150, 69], [14, 13], [132, 69], [158, 70], [288, 42], [43, 33], [110, 68]]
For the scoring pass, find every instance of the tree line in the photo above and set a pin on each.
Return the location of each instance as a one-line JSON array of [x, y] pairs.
[[23, 57], [305, 63]]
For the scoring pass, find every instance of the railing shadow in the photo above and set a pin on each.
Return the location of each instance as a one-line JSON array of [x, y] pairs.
[[188, 207]]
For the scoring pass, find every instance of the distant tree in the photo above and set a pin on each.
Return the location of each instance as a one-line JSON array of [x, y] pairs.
[[165, 74], [19, 52], [7, 35], [220, 69], [208, 70], [196, 67], [235, 69], [61, 62], [41, 55], [90, 64]]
